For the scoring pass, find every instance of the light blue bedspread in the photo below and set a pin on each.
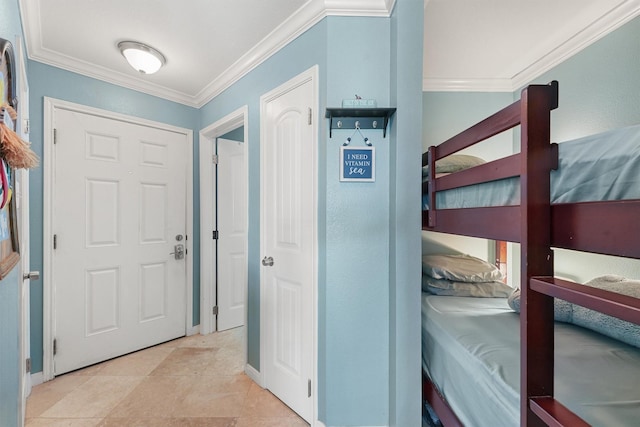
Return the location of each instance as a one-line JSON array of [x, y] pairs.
[[470, 349], [605, 166]]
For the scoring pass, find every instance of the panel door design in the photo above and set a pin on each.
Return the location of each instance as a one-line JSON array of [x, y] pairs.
[[232, 227], [119, 203], [288, 218]]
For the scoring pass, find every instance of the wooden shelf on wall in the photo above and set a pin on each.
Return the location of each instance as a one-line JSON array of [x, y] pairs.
[[367, 118]]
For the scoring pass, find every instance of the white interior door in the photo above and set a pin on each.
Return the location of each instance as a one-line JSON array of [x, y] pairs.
[[231, 210], [288, 228], [119, 211]]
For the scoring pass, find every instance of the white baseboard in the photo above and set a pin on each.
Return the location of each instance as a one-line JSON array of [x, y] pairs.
[[318, 423], [253, 374], [194, 330], [36, 379]]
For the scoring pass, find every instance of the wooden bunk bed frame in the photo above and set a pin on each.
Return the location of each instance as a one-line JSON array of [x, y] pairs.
[[608, 227]]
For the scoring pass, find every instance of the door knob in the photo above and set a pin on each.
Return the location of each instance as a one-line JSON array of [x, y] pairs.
[[267, 261], [32, 275], [178, 251]]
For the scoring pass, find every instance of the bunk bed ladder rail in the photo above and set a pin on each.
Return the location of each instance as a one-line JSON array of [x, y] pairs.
[[536, 317], [613, 304]]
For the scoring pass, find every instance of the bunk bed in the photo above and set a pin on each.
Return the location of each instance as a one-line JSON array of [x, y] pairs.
[[607, 226]]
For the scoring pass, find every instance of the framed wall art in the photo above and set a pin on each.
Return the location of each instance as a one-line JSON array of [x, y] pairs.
[[357, 164]]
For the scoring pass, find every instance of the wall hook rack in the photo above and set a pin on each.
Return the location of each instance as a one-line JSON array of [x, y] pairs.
[[367, 118]]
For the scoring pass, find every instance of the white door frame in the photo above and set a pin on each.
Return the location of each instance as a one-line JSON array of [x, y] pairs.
[[48, 164], [309, 75], [208, 136]]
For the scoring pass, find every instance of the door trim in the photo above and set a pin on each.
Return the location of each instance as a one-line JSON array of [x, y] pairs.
[[309, 75], [208, 135], [48, 164]]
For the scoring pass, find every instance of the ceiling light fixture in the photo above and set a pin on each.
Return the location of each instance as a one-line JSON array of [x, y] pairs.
[[141, 57]]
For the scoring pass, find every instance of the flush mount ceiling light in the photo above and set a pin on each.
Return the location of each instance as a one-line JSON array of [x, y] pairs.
[[141, 57]]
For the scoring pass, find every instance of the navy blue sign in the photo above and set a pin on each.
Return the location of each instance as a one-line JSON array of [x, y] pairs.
[[358, 164]]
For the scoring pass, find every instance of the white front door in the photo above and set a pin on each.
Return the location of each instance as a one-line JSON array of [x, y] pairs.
[[288, 233], [119, 211], [231, 208]]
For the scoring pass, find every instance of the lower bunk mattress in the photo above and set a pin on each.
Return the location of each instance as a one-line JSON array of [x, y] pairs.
[[471, 351], [605, 166]]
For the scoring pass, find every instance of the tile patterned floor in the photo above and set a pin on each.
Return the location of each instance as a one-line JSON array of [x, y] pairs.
[[194, 381]]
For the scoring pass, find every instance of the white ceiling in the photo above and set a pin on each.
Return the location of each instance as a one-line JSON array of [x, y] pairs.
[[501, 45], [210, 44]]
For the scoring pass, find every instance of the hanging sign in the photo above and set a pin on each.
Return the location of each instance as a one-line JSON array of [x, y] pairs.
[[358, 164]]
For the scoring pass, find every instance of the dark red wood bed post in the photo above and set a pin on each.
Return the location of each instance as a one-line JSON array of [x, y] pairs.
[[536, 318], [431, 162]]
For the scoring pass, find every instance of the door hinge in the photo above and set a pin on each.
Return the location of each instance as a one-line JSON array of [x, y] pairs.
[[214, 159], [55, 241], [215, 310], [309, 388], [310, 115], [216, 235], [55, 346], [28, 365], [25, 126], [55, 136]]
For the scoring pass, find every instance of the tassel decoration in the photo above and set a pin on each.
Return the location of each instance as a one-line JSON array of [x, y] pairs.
[[13, 149]]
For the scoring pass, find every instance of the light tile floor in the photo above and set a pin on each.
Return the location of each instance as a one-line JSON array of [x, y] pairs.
[[194, 381]]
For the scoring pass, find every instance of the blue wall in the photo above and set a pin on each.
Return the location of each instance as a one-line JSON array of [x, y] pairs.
[[447, 113], [235, 135], [599, 87], [357, 234], [10, 364], [404, 245], [10, 287], [56, 83]]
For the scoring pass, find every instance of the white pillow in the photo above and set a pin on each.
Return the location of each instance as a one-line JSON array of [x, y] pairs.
[[454, 163], [465, 289], [460, 268]]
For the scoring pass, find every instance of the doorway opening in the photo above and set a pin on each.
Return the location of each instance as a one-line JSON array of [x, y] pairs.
[[223, 224]]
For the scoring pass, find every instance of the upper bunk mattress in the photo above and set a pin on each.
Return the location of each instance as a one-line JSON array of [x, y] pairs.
[[604, 166], [470, 349]]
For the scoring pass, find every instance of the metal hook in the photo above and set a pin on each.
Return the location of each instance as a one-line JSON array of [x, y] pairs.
[[359, 131]]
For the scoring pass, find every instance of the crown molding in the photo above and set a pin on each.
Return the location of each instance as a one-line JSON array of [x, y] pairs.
[[466, 85], [303, 19], [372, 8], [111, 76], [565, 48]]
